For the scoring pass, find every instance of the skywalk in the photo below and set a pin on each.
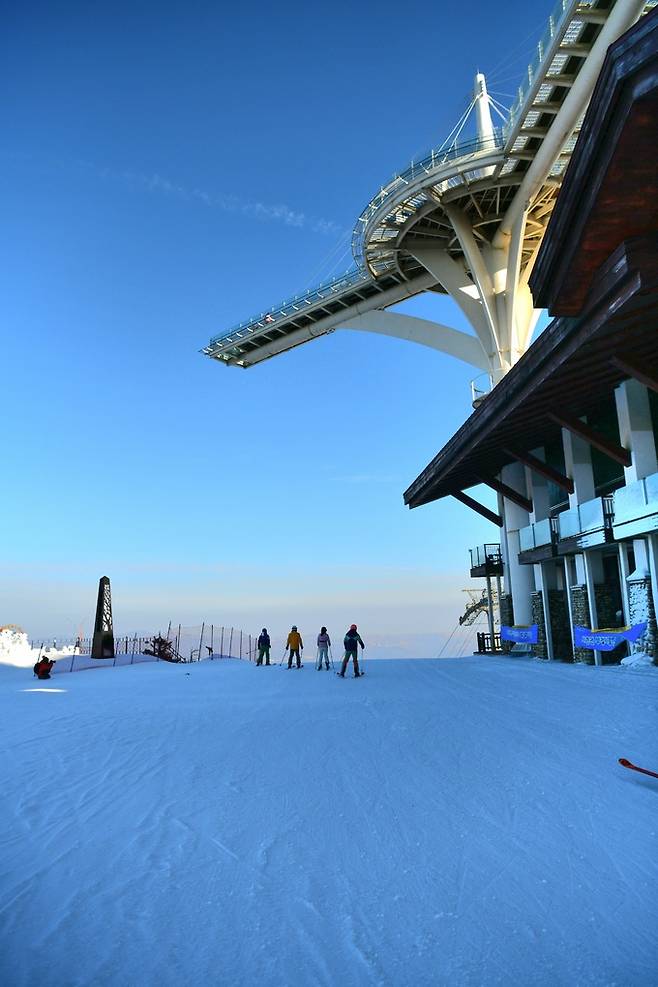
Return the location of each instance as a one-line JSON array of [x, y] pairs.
[[466, 220]]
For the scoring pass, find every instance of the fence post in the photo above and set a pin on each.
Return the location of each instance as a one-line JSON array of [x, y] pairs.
[[212, 642], [241, 645], [230, 644], [221, 646], [201, 639], [250, 647], [178, 640]]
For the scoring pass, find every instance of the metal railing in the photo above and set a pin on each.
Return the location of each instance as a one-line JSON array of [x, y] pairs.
[[435, 158], [636, 500], [483, 554], [488, 645], [539, 534], [124, 645], [555, 21], [187, 644], [296, 305], [589, 516]]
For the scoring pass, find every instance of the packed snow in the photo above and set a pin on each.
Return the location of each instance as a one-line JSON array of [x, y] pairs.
[[454, 822]]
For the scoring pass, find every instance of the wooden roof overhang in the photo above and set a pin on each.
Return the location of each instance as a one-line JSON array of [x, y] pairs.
[[566, 372], [610, 190]]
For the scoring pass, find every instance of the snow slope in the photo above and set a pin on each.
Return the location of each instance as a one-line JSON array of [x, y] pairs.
[[459, 822]]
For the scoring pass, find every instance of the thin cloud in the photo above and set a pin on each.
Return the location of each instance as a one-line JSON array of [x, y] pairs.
[[158, 184]]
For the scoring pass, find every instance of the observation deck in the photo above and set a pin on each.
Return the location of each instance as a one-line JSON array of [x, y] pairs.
[[465, 220]]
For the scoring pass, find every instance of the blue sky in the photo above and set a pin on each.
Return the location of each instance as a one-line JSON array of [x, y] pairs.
[[168, 170]]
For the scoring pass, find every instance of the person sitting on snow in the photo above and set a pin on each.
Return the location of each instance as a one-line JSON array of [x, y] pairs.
[[43, 668], [351, 642], [324, 644], [264, 644], [296, 645]]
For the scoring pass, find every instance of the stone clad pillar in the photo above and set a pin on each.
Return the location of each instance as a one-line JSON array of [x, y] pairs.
[[636, 435]]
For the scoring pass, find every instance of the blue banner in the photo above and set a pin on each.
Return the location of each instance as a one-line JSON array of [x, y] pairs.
[[608, 638], [520, 635]]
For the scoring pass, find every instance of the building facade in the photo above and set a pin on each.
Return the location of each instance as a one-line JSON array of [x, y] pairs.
[[569, 438]]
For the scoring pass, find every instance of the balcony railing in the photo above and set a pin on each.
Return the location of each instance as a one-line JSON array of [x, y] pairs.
[[538, 534], [636, 507], [485, 555], [590, 519]]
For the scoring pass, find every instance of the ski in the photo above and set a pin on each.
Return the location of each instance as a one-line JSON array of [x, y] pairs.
[[645, 771]]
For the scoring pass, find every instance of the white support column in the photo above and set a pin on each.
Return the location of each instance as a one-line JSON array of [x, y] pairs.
[[520, 576], [483, 121], [433, 334], [567, 584], [545, 581], [591, 598], [636, 429], [641, 570], [481, 274], [453, 277], [623, 581], [504, 553], [512, 291], [490, 614], [538, 490], [578, 466]]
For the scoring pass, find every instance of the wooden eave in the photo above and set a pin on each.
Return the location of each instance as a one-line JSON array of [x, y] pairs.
[[610, 190], [570, 367]]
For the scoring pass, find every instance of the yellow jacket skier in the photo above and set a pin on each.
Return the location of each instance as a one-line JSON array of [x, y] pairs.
[[296, 646]]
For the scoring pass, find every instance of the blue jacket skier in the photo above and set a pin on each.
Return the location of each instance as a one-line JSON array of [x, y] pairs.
[[264, 645], [351, 643]]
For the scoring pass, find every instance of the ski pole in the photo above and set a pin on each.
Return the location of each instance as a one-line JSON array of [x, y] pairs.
[[627, 764]]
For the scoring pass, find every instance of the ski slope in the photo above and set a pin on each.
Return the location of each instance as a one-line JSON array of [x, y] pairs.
[[454, 822]]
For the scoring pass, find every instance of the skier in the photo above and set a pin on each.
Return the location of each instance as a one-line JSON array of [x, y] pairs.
[[351, 642], [296, 645], [43, 668], [264, 644], [324, 643]]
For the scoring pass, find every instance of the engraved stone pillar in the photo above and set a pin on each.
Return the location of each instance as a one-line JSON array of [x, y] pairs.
[[103, 643]]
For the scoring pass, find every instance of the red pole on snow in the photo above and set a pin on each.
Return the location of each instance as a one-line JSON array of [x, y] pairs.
[[627, 764]]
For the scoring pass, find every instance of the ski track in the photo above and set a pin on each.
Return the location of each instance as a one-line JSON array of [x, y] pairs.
[[453, 822]]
